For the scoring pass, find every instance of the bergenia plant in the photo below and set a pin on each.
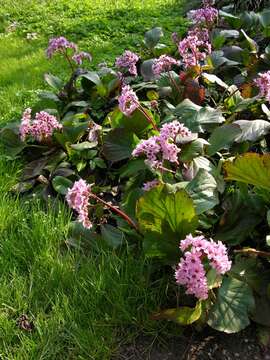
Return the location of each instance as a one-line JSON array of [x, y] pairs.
[[171, 144]]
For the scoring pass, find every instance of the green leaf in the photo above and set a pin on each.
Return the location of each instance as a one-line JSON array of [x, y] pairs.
[[183, 315], [195, 117], [100, 163], [93, 77], [215, 79], [214, 279], [147, 70], [165, 218], [112, 236], [152, 37], [11, 140], [222, 137], [192, 149], [54, 81], [265, 18], [136, 123], [61, 184], [132, 168], [84, 145], [34, 168], [118, 144], [249, 270], [250, 168], [234, 302], [252, 130], [203, 191], [252, 43], [47, 95], [241, 215]]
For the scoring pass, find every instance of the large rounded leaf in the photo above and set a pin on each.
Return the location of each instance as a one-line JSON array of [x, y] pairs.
[[118, 144], [232, 307], [165, 218], [250, 168], [252, 130], [203, 190], [222, 137]]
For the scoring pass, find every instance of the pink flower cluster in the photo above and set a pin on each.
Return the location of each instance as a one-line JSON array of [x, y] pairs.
[[59, 44], [206, 16], [78, 199], [41, 128], [128, 101], [163, 64], [150, 185], [128, 61], [191, 273], [79, 57], [162, 147], [194, 49], [263, 83]]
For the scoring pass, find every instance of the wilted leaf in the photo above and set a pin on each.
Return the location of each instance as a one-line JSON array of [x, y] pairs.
[[233, 305], [183, 315]]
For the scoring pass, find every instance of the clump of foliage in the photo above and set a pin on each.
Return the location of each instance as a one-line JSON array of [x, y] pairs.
[[168, 153]]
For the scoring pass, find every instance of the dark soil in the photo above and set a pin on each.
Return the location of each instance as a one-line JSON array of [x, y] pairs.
[[197, 346]]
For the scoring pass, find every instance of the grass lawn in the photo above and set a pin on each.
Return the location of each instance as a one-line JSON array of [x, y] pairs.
[[82, 303]]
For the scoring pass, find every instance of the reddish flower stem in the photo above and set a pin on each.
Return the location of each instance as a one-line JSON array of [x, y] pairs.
[[117, 211], [141, 109]]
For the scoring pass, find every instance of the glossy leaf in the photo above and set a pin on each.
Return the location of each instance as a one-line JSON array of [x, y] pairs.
[[203, 191], [118, 144], [234, 302], [61, 184], [222, 137], [250, 168], [165, 218], [252, 130]]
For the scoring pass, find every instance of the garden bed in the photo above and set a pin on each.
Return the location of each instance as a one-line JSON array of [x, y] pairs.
[[149, 176]]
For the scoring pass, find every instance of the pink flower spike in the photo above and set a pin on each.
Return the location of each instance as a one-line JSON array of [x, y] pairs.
[[41, 128], [194, 50], [59, 44], [190, 271], [79, 57], [206, 16], [25, 124], [78, 199], [163, 64], [263, 83], [128, 61], [150, 185], [128, 100]]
